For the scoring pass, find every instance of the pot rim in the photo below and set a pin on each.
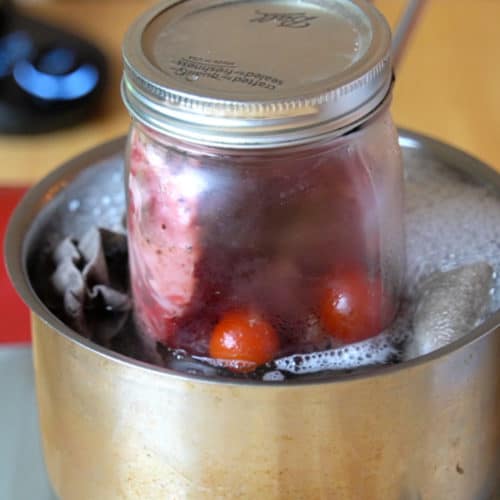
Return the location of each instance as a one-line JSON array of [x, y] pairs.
[[42, 192]]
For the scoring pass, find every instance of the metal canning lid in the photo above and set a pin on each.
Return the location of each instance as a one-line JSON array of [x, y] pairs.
[[256, 73]]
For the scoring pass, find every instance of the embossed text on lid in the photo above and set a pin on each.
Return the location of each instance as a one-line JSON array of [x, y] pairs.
[[256, 73]]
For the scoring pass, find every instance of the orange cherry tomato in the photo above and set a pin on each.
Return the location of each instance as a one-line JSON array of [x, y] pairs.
[[351, 307], [244, 336]]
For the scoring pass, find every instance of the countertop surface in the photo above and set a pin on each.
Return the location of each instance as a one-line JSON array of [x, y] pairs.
[[448, 85], [22, 471]]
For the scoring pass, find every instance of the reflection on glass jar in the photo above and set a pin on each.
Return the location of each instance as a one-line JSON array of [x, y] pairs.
[[262, 222], [308, 237]]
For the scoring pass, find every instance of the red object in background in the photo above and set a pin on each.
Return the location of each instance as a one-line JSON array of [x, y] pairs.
[[14, 315]]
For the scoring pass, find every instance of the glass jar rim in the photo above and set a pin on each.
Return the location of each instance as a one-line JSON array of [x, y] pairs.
[[333, 99]]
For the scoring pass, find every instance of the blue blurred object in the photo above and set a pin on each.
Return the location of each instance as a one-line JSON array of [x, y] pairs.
[[74, 85], [48, 78], [14, 47], [58, 61]]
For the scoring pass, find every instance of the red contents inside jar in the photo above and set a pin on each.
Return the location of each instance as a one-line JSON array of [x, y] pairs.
[[301, 240]]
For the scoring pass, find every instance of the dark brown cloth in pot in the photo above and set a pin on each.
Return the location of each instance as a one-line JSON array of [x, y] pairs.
[[91, 282]]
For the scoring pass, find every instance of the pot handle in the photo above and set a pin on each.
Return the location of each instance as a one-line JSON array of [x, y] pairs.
[[405, 28]]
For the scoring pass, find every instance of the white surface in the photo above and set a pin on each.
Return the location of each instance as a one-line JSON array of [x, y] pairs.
[[22, 471]]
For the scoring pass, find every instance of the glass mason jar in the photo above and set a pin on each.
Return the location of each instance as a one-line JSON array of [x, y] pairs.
[[265, 206]]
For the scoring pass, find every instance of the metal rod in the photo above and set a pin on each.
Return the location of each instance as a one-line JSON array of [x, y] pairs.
[[404, 29]]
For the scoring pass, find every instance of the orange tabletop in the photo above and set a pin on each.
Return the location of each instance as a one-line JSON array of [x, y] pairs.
[[448, 85]]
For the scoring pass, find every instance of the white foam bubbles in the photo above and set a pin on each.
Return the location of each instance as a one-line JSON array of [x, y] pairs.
[[451, 221], [376, 351]]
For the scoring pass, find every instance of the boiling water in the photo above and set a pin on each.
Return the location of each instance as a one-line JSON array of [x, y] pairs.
[[450, 221]]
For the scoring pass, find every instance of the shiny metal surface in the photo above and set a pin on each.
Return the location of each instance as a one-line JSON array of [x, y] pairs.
[[406, 25], [256, 74], [113, 427]]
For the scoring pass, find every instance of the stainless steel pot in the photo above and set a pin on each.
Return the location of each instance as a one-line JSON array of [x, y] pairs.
[[113, 427]]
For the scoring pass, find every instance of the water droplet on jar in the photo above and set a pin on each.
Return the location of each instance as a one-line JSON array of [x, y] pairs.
[[179, 354], [274, 376], [192, 78], [74, 205]]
